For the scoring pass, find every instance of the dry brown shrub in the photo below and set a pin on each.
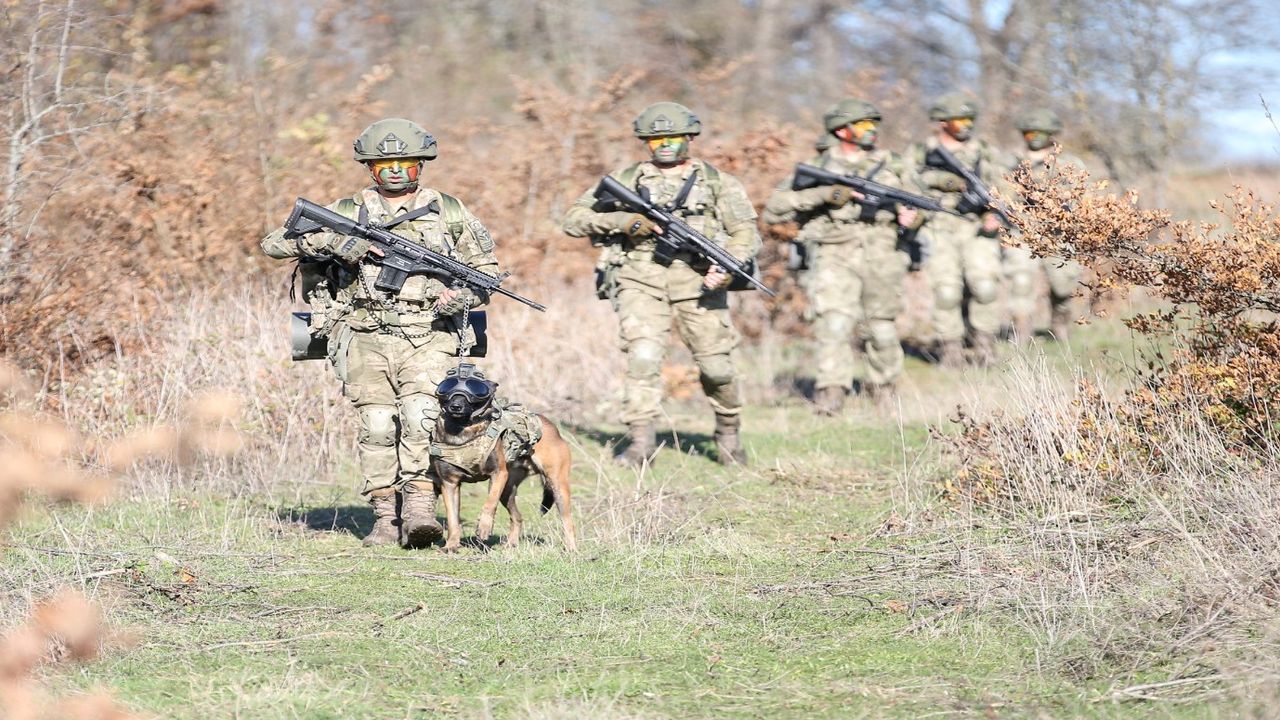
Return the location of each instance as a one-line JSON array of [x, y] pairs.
[[1140, 522]]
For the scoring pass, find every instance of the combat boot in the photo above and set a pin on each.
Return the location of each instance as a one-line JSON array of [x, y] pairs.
[[384, 531], [643, 445], [829, 400], [984, 349], [950, 353], [728, 445], [1060, 322], [882, 395], [418, 525]]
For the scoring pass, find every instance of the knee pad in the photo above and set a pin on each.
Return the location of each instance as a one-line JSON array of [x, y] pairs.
[[716, 370], [834, 325], [378, 425], [418, 413], [984, 290], [1021, 285], [882, 334], [947, 297], [644, 358]]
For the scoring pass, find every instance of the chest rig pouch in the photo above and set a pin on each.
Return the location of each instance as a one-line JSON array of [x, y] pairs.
[[870, 208]]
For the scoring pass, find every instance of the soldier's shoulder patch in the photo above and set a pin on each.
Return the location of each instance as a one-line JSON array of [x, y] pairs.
[[482, 234]]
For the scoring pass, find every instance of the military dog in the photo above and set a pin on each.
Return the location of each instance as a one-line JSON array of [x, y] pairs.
[[477, 440]]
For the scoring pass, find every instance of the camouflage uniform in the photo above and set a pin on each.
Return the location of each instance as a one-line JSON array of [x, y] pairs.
[[855, 275], [964, 262], [390, 351], [649, 296], [1021, 268]]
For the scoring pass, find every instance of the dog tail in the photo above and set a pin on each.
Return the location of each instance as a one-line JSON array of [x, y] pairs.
[[548, 497]]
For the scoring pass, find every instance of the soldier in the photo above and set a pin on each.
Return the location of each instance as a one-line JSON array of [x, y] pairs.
[[965, 251], [391, 350], [649, 295], [1038, 128], [855, 275]]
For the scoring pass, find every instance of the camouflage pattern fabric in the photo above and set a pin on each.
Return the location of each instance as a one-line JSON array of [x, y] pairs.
[[649, 297], [855, 279], [963, 265], [391, 352]]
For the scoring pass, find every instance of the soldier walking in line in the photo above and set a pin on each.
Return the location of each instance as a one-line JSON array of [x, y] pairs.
[[1039, 126], [855, 271], [964, 263], [650, 293], [391, 349]]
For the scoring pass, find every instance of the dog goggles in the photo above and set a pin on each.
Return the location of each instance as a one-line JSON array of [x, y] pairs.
[[476, 390]]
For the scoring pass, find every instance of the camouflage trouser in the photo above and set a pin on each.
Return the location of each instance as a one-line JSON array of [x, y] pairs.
[[392, 384], [960, 259], [1022, 270], [857, 285], [644, 320]]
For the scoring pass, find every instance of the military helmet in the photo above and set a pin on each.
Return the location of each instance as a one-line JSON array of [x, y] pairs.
[[394, 138], [1042, 119], [846, 112], [953, 105], [666, 119]]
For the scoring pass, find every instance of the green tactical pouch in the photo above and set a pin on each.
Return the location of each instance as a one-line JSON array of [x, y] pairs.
[[342, 336], [305, 345]]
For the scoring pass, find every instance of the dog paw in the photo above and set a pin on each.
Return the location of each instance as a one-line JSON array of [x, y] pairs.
[[484, 528], [451, 547]]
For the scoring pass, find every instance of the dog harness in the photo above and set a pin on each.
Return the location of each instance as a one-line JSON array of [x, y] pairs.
[[516, 428]]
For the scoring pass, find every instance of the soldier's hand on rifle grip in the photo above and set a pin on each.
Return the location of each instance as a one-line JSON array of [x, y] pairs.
[[991, 224], [839, 196], [908, 217], [637, 225], [715, 278], [350, 249]]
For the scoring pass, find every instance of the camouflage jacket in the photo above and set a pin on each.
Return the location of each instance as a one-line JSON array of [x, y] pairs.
[[339, 293], [947, 186], [817, 219]]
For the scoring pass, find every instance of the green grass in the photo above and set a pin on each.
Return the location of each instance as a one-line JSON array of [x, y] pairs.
[[719, 594]]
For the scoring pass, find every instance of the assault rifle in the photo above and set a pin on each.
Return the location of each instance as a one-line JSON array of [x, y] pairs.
[[676, 235], [976, 196], [401, 257], [875, 195]]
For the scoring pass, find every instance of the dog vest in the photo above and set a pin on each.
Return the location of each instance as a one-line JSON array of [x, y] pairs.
[[517, 429]]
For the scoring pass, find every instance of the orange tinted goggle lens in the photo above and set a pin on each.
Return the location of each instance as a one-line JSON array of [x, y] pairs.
[[864, 125], [963, 122], [655, 143], [380, 165]]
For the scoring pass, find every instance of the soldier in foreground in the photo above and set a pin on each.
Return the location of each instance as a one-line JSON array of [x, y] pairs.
[[649, 292], [1038, 127], [391, 349], [964, 262], [855, 271]]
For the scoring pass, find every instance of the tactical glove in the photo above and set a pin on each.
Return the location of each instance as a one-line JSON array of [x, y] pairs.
[[943, 180], [464, 301], [347, 249], [837, 196], [636, 225]]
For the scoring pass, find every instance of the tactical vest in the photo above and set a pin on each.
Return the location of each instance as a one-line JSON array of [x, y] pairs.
[[321, 278]]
